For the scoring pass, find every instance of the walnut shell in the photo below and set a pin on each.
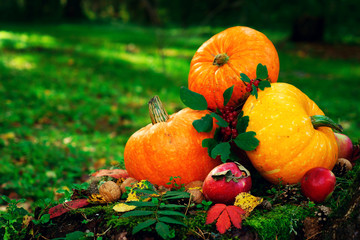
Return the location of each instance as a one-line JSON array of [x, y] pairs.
[[194, 184], [344, 162], [110, 191], [128, 183], [196, 195]]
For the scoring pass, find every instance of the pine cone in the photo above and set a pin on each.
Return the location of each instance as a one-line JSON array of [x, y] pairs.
[[291, 193], [322, 214]]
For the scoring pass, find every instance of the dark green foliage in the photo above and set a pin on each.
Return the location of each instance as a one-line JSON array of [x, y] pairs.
[[11, 221], [161, 212]]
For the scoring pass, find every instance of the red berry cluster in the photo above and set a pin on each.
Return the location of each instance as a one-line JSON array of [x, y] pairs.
[[230, 115], [254, 82]]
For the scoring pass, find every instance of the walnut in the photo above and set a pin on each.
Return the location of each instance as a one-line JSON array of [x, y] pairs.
[[194, 184], [110, 191], [128, 183], [196, 195]]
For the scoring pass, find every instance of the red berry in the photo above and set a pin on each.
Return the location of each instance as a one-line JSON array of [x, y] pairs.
[[248, 88], [256, 83]]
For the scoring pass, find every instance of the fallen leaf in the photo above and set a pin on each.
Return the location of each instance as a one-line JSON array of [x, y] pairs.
[[115, 173], [223, 223], [60, 209], [247, 202], [122, 207], [214, 212], [225, 215], [97, 198]]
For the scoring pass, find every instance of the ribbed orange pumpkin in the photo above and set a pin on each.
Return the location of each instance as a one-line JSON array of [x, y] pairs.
[[217, 64], [169, 147], [292, 132]]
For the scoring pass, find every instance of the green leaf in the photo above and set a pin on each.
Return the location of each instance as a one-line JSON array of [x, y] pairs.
[[170, 213], [143, 225], [137, 213], [141, 204], [247, 141], [45, 218], [261, 72], [210, 143], [244, 77], [242, 124], [227, 94], [162, 229], [170, 220], [205, 124], [192, 99], [75, 235], [264, 84], [146, 191], [222, 149], [221, 122], [254, 91], [176, 193], [172, 206]]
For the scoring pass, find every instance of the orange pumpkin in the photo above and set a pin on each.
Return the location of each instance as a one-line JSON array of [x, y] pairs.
[[169, 147], [292, 140], [217, 64]]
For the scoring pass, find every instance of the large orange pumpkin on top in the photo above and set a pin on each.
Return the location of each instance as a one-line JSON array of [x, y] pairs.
[[217, 64], [169, 147]]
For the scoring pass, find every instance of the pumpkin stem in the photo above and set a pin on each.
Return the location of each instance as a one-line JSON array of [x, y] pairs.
[[220, 59], [324, 121], [157, 111]]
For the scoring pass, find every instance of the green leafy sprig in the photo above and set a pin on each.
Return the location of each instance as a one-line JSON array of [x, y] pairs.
[[262, 76], [161, 212], [217, 146]]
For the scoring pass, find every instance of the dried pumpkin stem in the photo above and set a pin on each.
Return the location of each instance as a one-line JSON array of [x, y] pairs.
[[157, 111], [324, 121], [220, 59]]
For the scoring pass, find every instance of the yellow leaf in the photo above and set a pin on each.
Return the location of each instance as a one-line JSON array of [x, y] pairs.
[[247, 202], [122, 207], [132, 197], [7, 136], [97, 198]]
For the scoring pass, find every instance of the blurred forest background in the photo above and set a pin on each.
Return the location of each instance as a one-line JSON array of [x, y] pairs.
[[76, 75]]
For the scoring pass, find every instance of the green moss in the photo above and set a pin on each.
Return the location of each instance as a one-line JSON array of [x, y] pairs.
[[282, 221], [89, 211]]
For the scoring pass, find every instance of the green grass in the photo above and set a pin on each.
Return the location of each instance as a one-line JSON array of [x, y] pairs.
[[71, 95]]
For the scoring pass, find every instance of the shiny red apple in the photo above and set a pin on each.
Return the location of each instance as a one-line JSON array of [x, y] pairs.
[[318, 184], [225, 182]]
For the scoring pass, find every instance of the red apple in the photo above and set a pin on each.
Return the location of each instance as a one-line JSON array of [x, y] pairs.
[[225, 182], [318, 184], [345, 146]]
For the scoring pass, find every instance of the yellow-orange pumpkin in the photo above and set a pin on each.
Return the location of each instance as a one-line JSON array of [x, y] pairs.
[[169, 147], [217, 64], [290, 145]]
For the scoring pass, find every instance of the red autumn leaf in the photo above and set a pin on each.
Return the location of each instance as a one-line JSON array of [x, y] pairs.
[[60, 209], [225, 215], [214, 212], [235, 215], [115, 173], [237, 209], [223, 223]]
